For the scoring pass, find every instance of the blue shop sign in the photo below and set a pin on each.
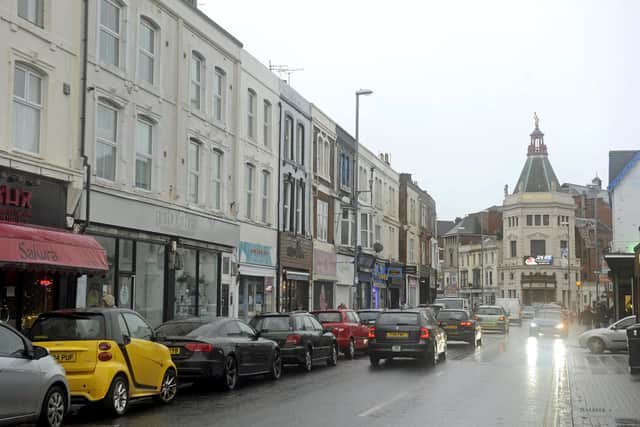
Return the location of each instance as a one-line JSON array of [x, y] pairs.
[[394, 272], [380, 272], [251, 253]]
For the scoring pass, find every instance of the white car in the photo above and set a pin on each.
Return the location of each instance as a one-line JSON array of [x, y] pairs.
[[612, 338]]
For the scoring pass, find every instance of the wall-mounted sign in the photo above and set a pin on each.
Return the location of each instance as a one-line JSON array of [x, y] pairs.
[[539, 260], [252, 253]]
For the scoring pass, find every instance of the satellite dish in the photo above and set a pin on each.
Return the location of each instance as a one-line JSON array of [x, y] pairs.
[[378, 247]]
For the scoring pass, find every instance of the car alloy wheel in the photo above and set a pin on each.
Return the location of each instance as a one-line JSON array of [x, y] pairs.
[[54, 408], [333, 357], [276, 366], [307, 363], [118, 398], [596, 346], [351, 351], [230, 373], [375, 361], [169, 387]]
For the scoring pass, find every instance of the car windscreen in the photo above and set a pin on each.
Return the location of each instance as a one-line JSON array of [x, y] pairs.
[[397, 319], [177, 329], [451, 303], [491, 311], [368, 316], [329, 317], [452, 315], [68, 327], [271, 323], [549, 314]]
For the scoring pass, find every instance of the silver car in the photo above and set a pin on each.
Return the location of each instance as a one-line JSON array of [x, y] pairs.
[[33, 385], [613, 338]]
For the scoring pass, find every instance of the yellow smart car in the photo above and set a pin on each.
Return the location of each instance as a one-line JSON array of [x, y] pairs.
[[109, 355]]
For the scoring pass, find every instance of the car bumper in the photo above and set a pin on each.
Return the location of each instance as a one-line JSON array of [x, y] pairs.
[[90, 387], [193, 370], [412, 350], [460, 335], [493, 326], [292, 354]]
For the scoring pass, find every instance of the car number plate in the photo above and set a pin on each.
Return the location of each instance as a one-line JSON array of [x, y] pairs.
[[398, 334], [395, 348], [64, 357], [174, 350], [452, 326]]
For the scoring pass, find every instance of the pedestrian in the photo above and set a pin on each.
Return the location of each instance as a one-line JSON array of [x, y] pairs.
[[587, 317], [108, 301], [342, 306]]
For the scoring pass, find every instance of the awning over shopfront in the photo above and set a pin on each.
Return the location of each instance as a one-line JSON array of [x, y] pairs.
[[28, 247], [297, 275]]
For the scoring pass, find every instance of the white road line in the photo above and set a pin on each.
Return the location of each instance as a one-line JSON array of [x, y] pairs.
[[382, 405]]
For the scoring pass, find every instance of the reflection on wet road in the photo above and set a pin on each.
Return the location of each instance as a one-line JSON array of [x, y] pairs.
[[512, 380]]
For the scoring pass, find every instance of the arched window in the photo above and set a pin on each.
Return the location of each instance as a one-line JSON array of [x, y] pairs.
[[27, 108], [215, 174], [107, 131], [144, 153], [219, 95], [197, 80], [193, 160], [147, 50]]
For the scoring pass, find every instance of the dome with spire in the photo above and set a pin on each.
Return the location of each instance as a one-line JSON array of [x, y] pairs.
[[537, 174]]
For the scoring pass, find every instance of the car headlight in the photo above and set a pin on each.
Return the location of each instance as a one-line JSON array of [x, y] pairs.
[[560, 326], [534, 325]]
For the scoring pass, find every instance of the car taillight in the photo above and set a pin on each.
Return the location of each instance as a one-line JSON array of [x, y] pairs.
[[424, 333], [293, 339], [104, 356], [501, 318], [199, 347], [104, 346], [372, 332], [465, 323]]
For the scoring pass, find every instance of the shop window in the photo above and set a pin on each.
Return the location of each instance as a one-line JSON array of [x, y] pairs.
[[208, 284], [149, 284], [186, 285], [91, 289], [125, 255], [322, 295]]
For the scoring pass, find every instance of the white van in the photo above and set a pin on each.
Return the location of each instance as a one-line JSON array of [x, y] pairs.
[[512, 306], [453, 303]]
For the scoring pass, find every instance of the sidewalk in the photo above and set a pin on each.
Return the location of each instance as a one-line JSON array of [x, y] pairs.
[[603, 393]]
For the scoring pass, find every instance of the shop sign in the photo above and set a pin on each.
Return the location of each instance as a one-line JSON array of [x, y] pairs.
[[324, 263], [411, 269], [394, 272], [251, 253], [380, 272], [538, 260], [295, 252], [32, 199]]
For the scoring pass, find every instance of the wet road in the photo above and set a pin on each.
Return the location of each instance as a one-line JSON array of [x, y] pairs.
[[512, 380]]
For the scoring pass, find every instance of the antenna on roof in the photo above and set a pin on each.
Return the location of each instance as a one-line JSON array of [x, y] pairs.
[[283, 69]]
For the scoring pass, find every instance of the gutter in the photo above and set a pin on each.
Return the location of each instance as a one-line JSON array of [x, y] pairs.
[[278, 272], [83, 119]]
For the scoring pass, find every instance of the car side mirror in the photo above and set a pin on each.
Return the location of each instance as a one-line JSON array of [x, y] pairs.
[[39, 352], [126, 338]]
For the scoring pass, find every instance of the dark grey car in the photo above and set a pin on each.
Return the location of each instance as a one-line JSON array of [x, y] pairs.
[[33, 386]]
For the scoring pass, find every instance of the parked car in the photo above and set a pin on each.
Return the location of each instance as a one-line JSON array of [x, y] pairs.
[[219, 350], [493, 317], [301, 338], [407, 333], [612, 338], [460, 325], [549, 323], [345, 324], [109, 356], [513, 309], [368, 316], [33, 386], [528, 312]]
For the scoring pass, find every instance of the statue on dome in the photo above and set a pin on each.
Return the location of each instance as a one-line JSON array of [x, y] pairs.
[[536, 119]]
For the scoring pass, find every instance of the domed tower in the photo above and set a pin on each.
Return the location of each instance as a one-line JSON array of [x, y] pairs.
[[538, 259]]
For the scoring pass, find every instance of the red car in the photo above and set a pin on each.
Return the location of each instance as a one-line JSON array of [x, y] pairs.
[[345, 324]]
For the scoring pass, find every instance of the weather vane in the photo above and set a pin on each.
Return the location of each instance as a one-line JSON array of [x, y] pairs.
[[536, 119]]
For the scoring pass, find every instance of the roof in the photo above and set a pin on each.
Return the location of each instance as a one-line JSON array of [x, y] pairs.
[[444, 226], [620, 164], [537, 176]]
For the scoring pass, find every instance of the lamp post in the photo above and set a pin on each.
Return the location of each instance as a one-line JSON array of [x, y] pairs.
[[356, 172]]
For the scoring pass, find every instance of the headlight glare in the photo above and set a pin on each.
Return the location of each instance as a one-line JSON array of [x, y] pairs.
[[534, 325], [560, 326]]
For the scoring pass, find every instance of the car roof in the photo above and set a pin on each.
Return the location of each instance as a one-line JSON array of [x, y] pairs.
[[453, 309], [490, 306], [395, 310], [202, 320], [331, 310]]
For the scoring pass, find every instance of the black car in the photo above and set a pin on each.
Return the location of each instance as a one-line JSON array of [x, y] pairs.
[[301, 338], [368, 316], [460, 325], [407, 333], [220, 349]]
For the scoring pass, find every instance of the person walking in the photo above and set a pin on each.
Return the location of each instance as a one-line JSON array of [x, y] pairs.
[[587, 317]]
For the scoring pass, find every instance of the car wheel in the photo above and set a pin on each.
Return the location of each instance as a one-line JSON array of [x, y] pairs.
[[443, 355], [431, 357], [168, 389], [333, 356], [480, 341], [117, 399], [474, 343], [230, 379], [307, 362], [374, 360], [276, 366], [54, 407], [634, 370], [596, 345], [351, 350]]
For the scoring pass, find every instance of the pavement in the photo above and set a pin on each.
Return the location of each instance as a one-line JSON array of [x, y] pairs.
[[510, 380]]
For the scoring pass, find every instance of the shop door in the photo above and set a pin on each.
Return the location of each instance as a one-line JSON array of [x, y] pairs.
[[224, 300], [126, 290]]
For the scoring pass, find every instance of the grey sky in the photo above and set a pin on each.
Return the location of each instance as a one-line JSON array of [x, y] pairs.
[[457, 82]]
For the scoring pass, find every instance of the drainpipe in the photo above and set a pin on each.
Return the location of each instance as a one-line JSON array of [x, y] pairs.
[[279, 212], [83, 119]]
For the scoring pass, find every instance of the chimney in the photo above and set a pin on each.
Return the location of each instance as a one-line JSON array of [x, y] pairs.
[[386, 158]]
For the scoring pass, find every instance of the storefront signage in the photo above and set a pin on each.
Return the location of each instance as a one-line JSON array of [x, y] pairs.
[[252, 253], [411, 269], [539, 260], [32, 199], [380, 272], [394, 272], [295, 252], [324, 264]]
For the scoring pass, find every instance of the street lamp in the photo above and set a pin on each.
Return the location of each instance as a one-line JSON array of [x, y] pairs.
[[356, 171]]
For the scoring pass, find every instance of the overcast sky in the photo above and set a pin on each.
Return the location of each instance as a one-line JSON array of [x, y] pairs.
[[457, 82]]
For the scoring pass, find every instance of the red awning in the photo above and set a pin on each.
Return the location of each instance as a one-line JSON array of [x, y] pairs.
[[29, 247]]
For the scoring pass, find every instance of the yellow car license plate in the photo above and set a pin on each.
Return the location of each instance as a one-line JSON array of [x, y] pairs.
[[64, 357], [397, 334], [452, 326], [174, 350]]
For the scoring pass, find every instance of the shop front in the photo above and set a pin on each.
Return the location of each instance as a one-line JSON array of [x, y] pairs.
[[255, 282], [345, 291], [39, 261], [364, 287], [622, 275], [395, 285], [296, 262], [324, 279], [164, 263], [425, 295], [379, 296]]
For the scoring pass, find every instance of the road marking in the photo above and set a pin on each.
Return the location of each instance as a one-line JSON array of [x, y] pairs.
[[382, 405]]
